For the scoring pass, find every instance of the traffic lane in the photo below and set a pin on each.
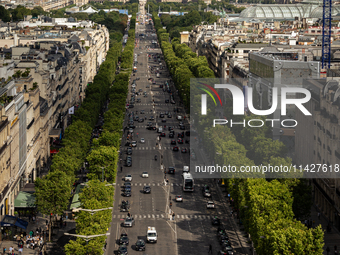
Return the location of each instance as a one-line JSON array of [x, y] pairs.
[[165, 243], [195, 235]]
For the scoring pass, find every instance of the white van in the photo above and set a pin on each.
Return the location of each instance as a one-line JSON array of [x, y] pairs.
[[160, 130], [151, 235], [185, 169]]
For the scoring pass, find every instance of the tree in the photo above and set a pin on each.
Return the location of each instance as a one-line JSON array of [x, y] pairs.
[[52, 194], [4, 14]]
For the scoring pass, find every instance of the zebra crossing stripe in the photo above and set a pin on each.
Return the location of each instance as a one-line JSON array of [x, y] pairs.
[[203, 216], [157, 216], [186, 216], [144, 216], [162, 215], [172, 184], [140, 216], [149, 216], [182, 216], [195, 216], [140, 184], [114, 216], [153, 184], [153, 216]]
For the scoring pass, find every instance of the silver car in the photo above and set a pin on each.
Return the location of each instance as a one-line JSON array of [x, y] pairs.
[[129, 222]]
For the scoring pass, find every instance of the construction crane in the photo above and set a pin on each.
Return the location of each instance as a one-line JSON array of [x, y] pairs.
[[326, 33]]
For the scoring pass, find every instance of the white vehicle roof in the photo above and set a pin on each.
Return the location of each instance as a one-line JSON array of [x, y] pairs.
[[187, 176]]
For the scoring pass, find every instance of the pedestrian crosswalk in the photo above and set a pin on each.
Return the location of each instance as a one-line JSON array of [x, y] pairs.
[[154, 148], [165, 216], [158, 184]]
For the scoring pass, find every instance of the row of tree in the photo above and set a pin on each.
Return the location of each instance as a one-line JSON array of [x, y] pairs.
[[267, 208], [103, 161], [53, 192], [183, 64]]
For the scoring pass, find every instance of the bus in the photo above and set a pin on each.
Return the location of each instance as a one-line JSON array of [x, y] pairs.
[[188, 182]]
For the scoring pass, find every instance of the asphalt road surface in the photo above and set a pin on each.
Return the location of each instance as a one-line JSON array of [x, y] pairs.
[[191, 232]]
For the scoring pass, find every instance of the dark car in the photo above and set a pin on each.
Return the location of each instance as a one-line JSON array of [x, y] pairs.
[[184, 150], [181, 127], [127, 193], [124, 239], [140, 245], [180, 135], [122, 250], [125, 206], [170, 128], [175, 148], [187, 133], [131, 106], [173, 142], [129, 150], [180, 141], [171, 135], [171, 170], [187, 141], [169, 115], [216, 221], [163, 134], [166, 101], [151, 118], [163, 120], [147, 189], [128, 161], [206, 191], [161, 115], [141, 120]]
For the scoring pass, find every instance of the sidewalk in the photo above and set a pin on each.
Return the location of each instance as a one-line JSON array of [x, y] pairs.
[[331, 238]]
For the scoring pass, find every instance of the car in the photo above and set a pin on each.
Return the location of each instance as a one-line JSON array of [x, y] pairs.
[[173, 142], [125, 206], [145, 175], [142, 140], [122, 250], [130, 130], [216, 221], [136, 118], [127, 188], [146, 189], [210, 205], [133, 144], [131, 106], [129, 222], [180, 141], [140, 90], [166, 101], [175, 148], [142, 112], [187, 133], [187, 141], [129, 151], [126, 184], [179, 198], [169, 115], [184, 150], [161, 115], [170, 128], [163, 120], [162, 134], [148, 86], [141, 120], [140, 245], [180, 135], [206, 191], [151, 118], [193, 155], [128, 178], [127, 193], [171, 135], [181, 127], [124, 239], [128, 161], [171, 170]]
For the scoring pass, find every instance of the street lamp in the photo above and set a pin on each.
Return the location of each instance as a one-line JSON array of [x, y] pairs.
[[87, 238]]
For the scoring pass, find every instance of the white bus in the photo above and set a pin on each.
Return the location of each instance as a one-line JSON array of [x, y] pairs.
[[188, 182]]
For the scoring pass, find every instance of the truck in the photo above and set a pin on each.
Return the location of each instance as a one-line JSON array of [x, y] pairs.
[[151, 235]]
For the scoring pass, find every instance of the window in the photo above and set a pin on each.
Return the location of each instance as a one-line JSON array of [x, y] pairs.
[[25, 87]]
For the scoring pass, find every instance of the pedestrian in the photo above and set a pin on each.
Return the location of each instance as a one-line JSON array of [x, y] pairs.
[[210, 249], [10, 249], [121, 169], [129, 215], [20, 251], [28, 244], [173, 216], [46, 222], [33, 219], [319, 215]]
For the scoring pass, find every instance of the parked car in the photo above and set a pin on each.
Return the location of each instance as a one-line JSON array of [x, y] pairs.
[[210, 205], [145, 175], [179, 198], [128, 177], [140, 245]]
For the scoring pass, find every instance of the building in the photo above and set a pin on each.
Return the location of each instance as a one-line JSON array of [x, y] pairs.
[[271, 68], [317, 142], [46, 77]]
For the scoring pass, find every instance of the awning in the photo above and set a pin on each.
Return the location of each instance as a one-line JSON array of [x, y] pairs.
[[55, 132], [10, 221], [24, 200], [75, 200]]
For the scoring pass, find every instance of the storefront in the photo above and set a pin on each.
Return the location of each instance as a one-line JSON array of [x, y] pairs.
[[11, 226]]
